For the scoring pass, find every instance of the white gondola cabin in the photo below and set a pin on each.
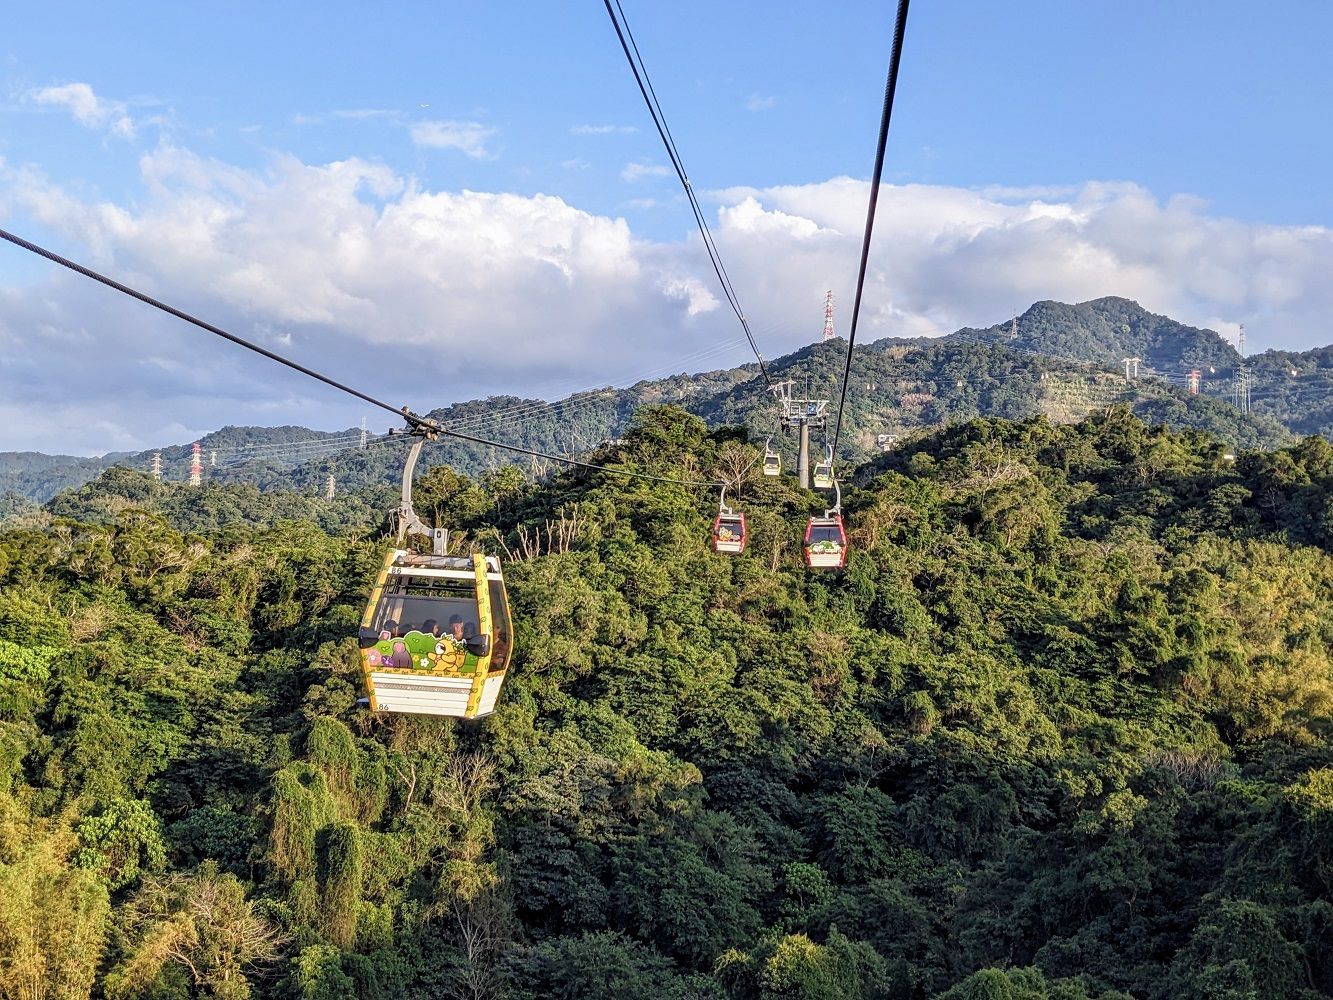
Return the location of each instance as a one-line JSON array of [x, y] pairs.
[[826, 542], [823, 474], [729, 533], [772, 462]]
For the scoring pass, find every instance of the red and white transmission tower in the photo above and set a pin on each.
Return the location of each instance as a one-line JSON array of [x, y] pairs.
[[197, 466], [828, 317], [1194, 381]]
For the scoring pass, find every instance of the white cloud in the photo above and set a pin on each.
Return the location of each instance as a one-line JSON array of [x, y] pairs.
[[760, 102], [637, 171], [602, 130], [87, 108], [469, 138], [421, 296], [697, 296], [943, 258], [425, 296]]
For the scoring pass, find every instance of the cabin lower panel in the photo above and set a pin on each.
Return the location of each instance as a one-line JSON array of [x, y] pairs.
[[420, 694], [820, 560]]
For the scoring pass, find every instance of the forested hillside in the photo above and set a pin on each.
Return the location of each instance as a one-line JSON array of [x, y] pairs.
[[1060, 730], [1060, 360], [1296, 388], [40, 477], [1109, 329]]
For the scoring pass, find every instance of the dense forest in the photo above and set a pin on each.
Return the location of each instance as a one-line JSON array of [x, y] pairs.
[[1060, 730], [1060, 360]]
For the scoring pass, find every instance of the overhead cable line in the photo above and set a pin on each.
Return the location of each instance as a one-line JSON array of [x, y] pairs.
[[640, 71], [305, 453], [244, 466], [589, 396], [274, 447], [418, 424], [1109, 367], [895, 57]]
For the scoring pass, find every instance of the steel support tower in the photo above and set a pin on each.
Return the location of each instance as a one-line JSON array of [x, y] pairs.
[[1242, 375], [828, 317], [801, 414]]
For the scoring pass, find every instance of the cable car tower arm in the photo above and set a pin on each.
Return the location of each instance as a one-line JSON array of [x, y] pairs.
[[408, 522]]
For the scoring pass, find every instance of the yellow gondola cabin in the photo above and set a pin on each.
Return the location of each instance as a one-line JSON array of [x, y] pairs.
[[436, 636]]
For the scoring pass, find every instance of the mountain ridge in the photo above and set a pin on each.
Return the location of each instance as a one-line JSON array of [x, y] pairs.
[[1058, 358]]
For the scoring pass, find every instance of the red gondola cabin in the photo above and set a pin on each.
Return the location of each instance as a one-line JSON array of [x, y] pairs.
[[729, 533], [825, 543]]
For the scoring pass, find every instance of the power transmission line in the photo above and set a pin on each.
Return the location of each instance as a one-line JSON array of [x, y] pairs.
[[417, 424], [640, 71]]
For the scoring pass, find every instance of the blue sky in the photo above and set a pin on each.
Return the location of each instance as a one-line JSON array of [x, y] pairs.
[[222, 157]]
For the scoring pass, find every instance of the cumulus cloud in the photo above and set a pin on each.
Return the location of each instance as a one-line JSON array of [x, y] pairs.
[[427, 296], [469, 138], [421, 296], [950, 257], [87, 108], [638, 171]]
